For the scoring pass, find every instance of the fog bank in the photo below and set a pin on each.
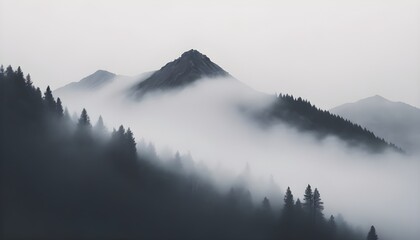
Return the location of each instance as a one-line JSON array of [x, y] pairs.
[[210, 120]]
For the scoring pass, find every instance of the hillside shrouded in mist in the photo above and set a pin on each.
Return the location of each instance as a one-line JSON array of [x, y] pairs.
[[223, 124], [210, 120], [69, 179]]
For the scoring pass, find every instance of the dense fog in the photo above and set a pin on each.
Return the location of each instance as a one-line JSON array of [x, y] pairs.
[[212, 122]]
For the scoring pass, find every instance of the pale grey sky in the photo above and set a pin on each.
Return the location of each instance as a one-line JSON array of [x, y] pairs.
[[329, 52]]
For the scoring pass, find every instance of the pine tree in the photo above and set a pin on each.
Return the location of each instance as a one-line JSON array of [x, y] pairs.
[[318, 205], [100, 126], [119, 137], [372, 234], [84, 121], [19, 73], [308, 199], [288, 200], [266, 206], [38, 93], [59, 108], [113, 134], [9, 72], [28, 81], [332, 225], [130, 143], [66, 115], [49, 101]]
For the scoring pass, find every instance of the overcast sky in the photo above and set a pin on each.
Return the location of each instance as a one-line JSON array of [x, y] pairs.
[[329, 52]]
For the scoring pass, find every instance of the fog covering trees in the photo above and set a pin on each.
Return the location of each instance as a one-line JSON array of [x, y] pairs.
[[63, 178]]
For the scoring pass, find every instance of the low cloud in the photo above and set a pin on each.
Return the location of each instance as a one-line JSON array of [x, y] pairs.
[[207, 120]]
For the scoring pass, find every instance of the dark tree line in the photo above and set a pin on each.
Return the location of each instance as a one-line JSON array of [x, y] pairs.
[[302, 114], [308, 215], [67, 179]]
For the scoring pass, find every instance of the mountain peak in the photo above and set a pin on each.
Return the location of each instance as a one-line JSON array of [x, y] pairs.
[[101, 71], [97, 79], [94, 81], [377, 97], [194, 55], [192, 52], [188, 68]]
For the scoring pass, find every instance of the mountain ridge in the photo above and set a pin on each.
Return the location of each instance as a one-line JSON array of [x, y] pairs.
[[93, 81], [188, 68], [192, 66], [397, 122]]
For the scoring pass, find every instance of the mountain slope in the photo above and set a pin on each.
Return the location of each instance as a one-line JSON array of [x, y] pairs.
[[304, 116], [191, 66], [395, 121], [94, 81]]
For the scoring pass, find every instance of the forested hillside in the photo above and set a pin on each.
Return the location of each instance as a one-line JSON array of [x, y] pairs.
[[301, 114], [66, 179]]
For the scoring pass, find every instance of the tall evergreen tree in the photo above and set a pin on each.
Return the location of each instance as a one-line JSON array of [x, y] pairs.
[[60, 111], [372, 234], [28, 81], [38, 93], [9, 72], [266, 206], [19, 73], [84, 121], [331, 224], [100, 126], [66, 115], [308, 198], [130, 143], [49, 101], [318, 205], [288, 200], [120, 132]]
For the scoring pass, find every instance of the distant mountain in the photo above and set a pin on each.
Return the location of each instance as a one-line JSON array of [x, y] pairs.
[[395, 121], [191, 66], [94, 81]]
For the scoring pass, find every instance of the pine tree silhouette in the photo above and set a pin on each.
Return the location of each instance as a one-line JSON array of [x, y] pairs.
[[60, 111], [84, 121], [49, 101], [318, 205], [266, 206], [288, 201], [308, 200], [100, 126], [372, 234], [130, 143]]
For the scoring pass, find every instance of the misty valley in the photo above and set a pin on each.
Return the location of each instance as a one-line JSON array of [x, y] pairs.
[[191, 152]]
